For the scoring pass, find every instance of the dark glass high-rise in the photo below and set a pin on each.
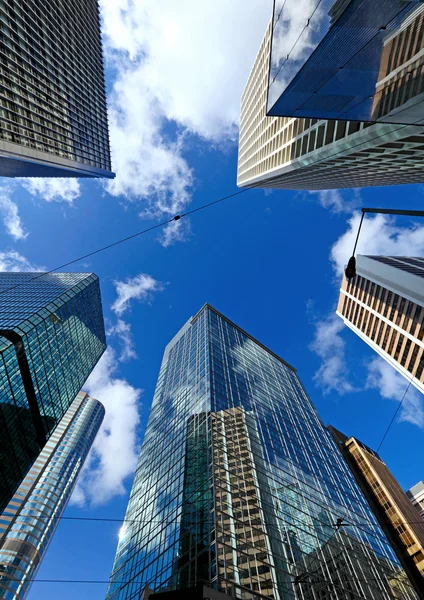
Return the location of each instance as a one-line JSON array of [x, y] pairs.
[[240, 487], [353, 60], [51, 337]]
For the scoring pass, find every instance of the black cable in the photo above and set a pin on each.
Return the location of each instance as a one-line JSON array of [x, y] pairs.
[[130, 237], [108, 581], [164, 521], [398, 407]]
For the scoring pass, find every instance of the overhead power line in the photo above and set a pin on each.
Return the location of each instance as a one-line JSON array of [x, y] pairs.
[[251, 187], [129, 237]]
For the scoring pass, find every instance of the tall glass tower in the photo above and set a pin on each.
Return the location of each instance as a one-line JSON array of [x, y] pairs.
[[239, 486], [30, 519], [52, 98], [51, 337]]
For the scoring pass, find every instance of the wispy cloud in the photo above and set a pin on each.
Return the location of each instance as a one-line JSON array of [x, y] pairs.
[[115, 450], [330, 347], [176, 231], [140, 287], [391, 385], [53, 189], [10, 214], [122, 330], [157, 105], [379, 235], [339, 201], [11, 260]]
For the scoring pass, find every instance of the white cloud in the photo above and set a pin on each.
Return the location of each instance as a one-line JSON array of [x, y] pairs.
[[10, 260], [147, 165], [115, 450], [122, 330], [140, 287], [176, 231], [53, 189], [338, 201], [392, 385], [181, 68], [330, 347], [11, 218], [379, 235]]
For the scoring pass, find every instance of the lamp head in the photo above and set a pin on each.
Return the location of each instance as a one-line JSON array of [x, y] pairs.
[[350, 270]]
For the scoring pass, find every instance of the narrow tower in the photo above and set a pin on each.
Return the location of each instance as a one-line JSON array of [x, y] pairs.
[[31, 517]]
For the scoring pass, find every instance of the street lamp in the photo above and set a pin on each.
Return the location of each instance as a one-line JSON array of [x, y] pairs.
[[350, 270]]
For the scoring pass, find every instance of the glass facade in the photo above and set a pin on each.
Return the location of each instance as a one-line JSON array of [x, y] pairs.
[[52, 98], [354, 60], [240, 486], [29, 521], [51, 337]]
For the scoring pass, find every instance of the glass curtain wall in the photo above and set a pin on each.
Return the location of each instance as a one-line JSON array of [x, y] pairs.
[[240, 486]]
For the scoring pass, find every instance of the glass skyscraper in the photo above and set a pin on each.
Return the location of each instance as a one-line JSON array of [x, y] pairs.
[[239, 486], [29, 521], [51, 337], [52, 96]]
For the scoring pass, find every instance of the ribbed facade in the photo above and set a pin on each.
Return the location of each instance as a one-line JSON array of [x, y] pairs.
[[240, 487], [384, 305], [52, 99], [51, 337], [392, 507], [312, 154], [31, 517]]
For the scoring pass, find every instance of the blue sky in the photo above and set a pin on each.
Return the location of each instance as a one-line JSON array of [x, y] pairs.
[[269, 261]]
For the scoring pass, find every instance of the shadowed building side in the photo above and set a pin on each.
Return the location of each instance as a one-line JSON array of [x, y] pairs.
[[51, 337]]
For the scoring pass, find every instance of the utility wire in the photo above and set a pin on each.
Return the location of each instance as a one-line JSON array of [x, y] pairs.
[[165, 521], [174, 520], [253, 186], [397, 409], [107, 581], [130, 237]]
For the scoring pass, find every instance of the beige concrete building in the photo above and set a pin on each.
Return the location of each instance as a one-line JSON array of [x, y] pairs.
[[384, 305], [312, 154], [395, 512]]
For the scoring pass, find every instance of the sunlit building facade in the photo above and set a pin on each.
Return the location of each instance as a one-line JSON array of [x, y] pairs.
[[384, 305], [53, 113], [51, 337], [240, 487], [30, 519], [395, 512], [315, 153]]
